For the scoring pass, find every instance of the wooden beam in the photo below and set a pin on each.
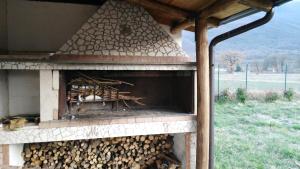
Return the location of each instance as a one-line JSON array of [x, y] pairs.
[[84, 2], [216, 7], [202, 157], [160, 7], [211, 22], [264, 5], [182, 25]]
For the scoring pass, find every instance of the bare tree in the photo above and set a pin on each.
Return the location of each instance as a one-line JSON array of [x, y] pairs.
[[257, 67], [231, 59], [276, 63]]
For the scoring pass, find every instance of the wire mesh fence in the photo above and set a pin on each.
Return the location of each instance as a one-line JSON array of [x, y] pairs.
[[254, 81]]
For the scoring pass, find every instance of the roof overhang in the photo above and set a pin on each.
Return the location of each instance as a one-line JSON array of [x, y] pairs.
[[180, 14]]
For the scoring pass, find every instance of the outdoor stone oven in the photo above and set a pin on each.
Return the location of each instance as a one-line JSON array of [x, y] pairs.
[[121, 74], [109, 36]]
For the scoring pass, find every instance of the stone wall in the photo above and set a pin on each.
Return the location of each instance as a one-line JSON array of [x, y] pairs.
[[119, 28]]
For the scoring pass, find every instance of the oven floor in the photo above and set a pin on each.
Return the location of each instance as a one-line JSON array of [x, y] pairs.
[[123, 114], [120, 117]]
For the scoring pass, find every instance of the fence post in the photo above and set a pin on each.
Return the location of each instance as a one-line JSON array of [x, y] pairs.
[[218, 81], [285, 76], [246, 77]]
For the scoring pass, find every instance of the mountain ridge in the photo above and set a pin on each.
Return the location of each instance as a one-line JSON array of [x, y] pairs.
[[281, 36]]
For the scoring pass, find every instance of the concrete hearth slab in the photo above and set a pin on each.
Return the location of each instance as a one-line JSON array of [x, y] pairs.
[[100, 128]]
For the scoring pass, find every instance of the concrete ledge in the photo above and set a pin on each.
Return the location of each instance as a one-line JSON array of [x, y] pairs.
[[16, 65], [94, 129]]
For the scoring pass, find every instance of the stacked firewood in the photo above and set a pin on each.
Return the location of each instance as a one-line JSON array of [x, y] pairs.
[[136, 152], [88, 89]]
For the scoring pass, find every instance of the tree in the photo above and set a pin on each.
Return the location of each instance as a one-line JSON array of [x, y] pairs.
[[231, 59], [270, 61], [238, 68], [277, 63], [257, 67]]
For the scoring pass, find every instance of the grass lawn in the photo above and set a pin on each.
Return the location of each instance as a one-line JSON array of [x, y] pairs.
[[258, 82], [257, 135]]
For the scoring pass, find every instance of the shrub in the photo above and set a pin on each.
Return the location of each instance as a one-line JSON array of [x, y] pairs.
[[289, 94], [241, 95], [224, 96], [238, 68], [271, 97]]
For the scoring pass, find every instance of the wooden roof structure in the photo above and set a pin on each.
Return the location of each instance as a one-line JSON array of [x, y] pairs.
[[180, 14]]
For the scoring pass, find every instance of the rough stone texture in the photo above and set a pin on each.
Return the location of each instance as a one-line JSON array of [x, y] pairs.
[[51, 66], [121, 29], [36, 134]]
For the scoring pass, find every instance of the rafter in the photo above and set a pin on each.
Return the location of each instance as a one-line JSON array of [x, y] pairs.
[[264, 5], [211, 22], [218, 6], [160, 7]]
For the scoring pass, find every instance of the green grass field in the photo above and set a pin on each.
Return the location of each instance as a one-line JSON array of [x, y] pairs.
[[264, 82], [257, 135]]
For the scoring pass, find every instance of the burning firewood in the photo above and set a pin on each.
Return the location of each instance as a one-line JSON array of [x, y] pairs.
[[136, 152]]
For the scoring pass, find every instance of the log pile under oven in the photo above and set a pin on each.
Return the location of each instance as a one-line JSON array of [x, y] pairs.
[[135, 152]]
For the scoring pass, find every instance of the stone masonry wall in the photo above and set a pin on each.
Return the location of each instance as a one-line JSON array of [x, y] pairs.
[[119, 28]]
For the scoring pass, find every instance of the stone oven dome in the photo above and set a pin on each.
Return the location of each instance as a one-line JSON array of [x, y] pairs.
[[119, 28]]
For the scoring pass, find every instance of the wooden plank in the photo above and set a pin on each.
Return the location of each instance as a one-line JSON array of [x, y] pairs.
[[182, 25], [187, 150], [212, 22], [264, 5], [92, 59], [216, 7], [202, 157], [193, 5], [160, 7]]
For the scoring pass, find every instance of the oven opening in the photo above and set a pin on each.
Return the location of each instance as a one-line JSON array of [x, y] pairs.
[[89, 94]]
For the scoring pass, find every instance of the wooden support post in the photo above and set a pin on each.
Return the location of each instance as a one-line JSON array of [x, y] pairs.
[[202, 157]]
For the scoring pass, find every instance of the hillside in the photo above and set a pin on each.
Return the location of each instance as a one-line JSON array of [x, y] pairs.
[[281, 36]]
